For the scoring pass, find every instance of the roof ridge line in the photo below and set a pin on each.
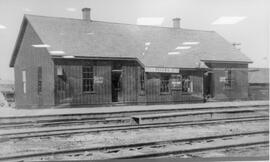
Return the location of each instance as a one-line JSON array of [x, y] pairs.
[[99, 21]]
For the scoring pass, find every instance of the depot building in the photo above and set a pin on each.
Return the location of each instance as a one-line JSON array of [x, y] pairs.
[[63, 62]]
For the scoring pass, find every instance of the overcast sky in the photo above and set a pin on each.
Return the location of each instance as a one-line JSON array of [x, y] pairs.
[[252, 32]]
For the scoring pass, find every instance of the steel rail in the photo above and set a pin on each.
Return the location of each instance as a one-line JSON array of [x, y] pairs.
[[144, 144], [62, 123], [106, 120], [45, 133], [51, 123], [77, 115], [175, 152]]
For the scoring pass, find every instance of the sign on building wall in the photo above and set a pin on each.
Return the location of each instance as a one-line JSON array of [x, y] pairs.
[[176, 84], [222, 79], [59, 71], [98, 80], [161, 70]]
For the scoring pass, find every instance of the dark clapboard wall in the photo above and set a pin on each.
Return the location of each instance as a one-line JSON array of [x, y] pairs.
[[69, 87]]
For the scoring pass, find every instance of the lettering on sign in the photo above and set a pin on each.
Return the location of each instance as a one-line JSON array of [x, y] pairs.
[[176, 83], [222, 79], [98, 80], [161, 70]]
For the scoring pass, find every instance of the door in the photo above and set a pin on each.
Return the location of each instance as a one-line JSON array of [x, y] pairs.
[[208, 84], [62, 91], [39, 86], [117, 86]]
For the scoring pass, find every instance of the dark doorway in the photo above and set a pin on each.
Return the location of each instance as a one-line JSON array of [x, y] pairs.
[[117, 83], [39, 86], [208, 84]]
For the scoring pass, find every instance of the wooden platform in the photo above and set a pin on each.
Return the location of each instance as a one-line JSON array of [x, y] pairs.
[[17, 113]]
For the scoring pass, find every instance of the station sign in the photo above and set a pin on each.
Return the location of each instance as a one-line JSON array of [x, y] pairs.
[[222, 79], [176, 83], [161, 70], [98, 80]]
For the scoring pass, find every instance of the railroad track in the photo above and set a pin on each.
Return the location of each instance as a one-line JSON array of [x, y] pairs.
[[65, 118], [81, 130], [89, 119], [64, 123], [155, 148]]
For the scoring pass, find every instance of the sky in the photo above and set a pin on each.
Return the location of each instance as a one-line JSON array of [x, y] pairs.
[[253, 31]]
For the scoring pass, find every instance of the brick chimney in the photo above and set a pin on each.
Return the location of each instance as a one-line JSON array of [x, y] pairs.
[[176, 22], [86, 14]]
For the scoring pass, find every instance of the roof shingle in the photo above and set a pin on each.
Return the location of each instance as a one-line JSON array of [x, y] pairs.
[[258, 75], [149, 44]]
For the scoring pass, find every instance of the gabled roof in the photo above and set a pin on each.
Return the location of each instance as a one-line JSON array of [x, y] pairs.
[[149, 44], [258, 75]]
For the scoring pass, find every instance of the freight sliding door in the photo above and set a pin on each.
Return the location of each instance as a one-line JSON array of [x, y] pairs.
[[116, 77], [129, 83], [62, 88], [117, 86]]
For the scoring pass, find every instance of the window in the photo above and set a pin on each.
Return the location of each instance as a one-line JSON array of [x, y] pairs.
[[88, 79], [228, 78], [187, 85], [24, 81], [165, 83], [142, 79], [39, 80], [176, 82]]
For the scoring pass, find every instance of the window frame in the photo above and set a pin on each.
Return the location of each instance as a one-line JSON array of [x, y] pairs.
[[228, 79], [89, 80], [162, 80], [176, 78], [189, 84], [24, 83]]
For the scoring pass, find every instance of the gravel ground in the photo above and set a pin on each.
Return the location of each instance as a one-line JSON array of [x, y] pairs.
[[123, 137], [115, 153], [163, 148], [248, 151]]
